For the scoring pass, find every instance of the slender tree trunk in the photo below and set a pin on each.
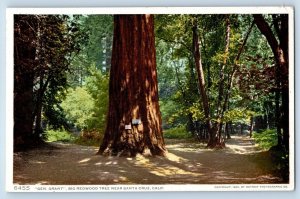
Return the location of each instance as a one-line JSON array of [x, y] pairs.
[[231, 76], [201, 81], [134, 120], [39, 95], [220, 110], [277, 111], [186, 101], [228, 124], [230, 80], [242, 128], [285, 118], [231, 128], [107, 53], [38, 120], [251, 127]]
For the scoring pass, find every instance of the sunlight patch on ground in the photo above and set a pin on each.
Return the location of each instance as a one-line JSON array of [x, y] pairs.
[[106, 161], [121, 179], [241, 149], [22, 177], [142, 159], [42, 183], [245, 146], [166, 170], [111, 162], [223, 174], [175, 158], [84, 160], [186, 163], [187, 146], [189, 149], [171, 170], [37, 162]]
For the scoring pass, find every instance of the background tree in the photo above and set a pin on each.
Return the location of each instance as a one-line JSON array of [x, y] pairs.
[[280, 51], [24, 60], [86, 89], [85, 107], [52, 40], [96, 49], [244, 88], [202, 86], [246, 80]]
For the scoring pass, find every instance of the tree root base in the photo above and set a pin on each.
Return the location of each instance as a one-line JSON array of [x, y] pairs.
[[132, 153]]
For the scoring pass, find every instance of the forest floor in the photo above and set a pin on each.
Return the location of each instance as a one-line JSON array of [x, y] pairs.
[[187, 162]]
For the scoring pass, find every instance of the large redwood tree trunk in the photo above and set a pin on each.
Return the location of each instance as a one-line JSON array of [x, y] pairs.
[[134, 119]]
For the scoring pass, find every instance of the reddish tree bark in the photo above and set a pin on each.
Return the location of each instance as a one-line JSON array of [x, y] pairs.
[[133, 90], [201, 81]]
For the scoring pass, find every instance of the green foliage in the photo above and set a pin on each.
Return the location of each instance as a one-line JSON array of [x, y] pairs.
[[87, 138], [238, 115], [173, 113], [196, 111], [176, 76], [97, 86], [59, 135], [56, 39], [53, 113], [180, 103], [171, 80], [174, 42], [177, 133], [79, 107], [266, 139], [86, 106], [96, 50], [100, 34]]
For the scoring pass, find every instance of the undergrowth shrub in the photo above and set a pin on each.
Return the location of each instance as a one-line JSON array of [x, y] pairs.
[[90, 138], [59, 135], [266, 139], [177, 133]]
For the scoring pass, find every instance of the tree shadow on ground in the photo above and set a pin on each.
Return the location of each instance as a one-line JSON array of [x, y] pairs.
[[186, 163]]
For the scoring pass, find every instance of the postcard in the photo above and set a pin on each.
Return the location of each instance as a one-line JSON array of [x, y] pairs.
[[150, 99]]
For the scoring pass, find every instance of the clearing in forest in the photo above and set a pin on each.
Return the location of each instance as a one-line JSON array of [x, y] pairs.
[[187, 162]]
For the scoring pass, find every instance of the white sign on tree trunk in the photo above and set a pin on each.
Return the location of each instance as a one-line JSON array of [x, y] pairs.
[[128, 127], [136, 121]]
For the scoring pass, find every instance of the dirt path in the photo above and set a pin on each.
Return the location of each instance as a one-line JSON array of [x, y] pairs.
[[186, 163]]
